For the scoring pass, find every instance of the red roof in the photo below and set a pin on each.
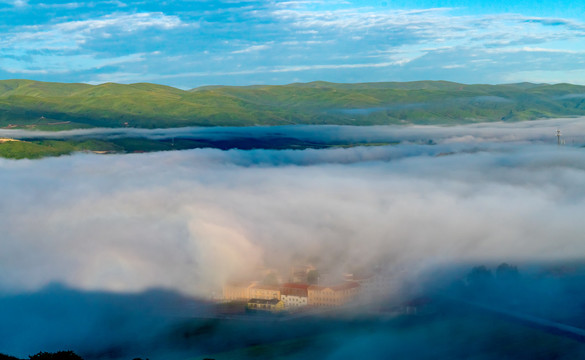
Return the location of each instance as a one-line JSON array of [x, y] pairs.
[[294, 289]]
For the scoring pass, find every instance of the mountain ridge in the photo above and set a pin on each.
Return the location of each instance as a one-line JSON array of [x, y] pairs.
[[58, 106]]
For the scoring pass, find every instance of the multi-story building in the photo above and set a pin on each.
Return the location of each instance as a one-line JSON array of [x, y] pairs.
[[294, 295], [238, 291], [266, 292], [332, 296]]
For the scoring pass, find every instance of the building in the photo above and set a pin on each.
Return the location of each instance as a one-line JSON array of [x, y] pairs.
[[266, 292], [250, 290], [238, 291], [294, 295], [266, 305], [332, 296]]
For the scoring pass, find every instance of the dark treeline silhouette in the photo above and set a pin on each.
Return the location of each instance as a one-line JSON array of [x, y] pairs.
[[7, 357], [59, 355]]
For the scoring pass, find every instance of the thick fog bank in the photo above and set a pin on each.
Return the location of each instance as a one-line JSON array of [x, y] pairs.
[[192, 220], [188, 221]]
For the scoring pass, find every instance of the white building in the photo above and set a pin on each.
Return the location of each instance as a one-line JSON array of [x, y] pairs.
[[294, 295]]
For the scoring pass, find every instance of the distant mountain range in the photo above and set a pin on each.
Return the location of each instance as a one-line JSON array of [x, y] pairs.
[[58, 106]]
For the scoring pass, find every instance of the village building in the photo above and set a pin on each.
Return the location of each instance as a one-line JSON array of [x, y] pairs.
[[266, 304], [331, 296], [294, 295], [238, 291], [266, 292]]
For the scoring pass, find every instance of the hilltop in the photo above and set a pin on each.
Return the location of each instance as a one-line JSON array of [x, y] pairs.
[[58, 106]]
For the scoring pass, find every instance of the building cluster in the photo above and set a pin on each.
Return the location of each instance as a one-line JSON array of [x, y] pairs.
[[295, 295]]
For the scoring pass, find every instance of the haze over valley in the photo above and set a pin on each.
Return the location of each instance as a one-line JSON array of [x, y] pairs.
[[190, 221]]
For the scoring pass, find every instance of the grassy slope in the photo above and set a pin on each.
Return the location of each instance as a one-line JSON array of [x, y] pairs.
[[43, 148], [46, 105], [36, 148]]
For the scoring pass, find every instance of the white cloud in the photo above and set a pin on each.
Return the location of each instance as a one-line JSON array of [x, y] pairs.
[[403, 30], [453, 66], [59, 48], [530, 49], [359, 18], [15, 3], [43, 64], [252, 48], [72, 34], [71, 5], [123, 22]]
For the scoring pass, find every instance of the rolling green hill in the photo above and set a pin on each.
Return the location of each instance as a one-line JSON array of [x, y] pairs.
[[43, 148], [57, 106]]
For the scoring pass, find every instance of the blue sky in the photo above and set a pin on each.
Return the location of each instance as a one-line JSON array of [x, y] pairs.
[[189, 43]]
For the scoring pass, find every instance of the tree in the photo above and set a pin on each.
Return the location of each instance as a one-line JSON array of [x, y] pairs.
[[507, 272], [479, 278], [313, 277]]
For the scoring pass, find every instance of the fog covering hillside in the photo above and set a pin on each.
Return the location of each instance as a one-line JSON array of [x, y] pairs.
[[118, 256], [57, 106]]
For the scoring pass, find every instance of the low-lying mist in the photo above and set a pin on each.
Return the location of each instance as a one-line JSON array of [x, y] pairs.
[[537, 130], [188, 221]]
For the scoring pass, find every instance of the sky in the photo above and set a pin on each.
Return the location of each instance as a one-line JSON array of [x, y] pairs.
[[187, 43]]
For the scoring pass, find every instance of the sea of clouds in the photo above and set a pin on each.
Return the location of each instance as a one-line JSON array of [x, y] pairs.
[[188, 221]]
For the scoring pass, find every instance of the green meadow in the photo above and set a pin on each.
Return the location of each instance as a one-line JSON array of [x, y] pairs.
[[43, 148]]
